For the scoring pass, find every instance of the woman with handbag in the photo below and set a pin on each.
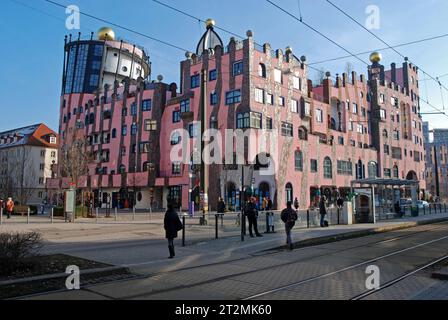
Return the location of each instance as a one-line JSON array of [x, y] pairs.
[[172, 225]]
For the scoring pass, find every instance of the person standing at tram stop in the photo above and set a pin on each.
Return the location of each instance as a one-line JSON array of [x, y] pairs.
[[172, 225], [221, 207], [289, 217], [252, 213], [264, 204], [323, 211], [9, 206]]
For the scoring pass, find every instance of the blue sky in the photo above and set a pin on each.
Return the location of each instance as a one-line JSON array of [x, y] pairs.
[[33, 32]]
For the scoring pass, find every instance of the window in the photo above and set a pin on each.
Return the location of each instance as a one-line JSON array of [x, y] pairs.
[[287, 129], [150, 125], [124, 130], [345, 168], [259, 95], [387, 173], [176, 138], [396, 172], [185, 106], [124, 112], [396, 153], [278, 76], [262, 70], [319, 116], [176, 116], [281, 101], [396, 135], [144, 147], [237, 68], [385, 134], [353, 143], [269, 99], [355, 108], [146, 105], [363, 111], [303, 133], [123, 151], [373, 169], [296, 83], [41, 180], [298, 160], [313, 163], [269, 125], [53, 140], [255, 120], [133, 109], [176, 168], [121, 169], [53, 154], [213, 75], [42, 167], [294, 106], [341, 141], [350, 125], [360, 128], [307, 110], [193, 130], [382, 98], [383, 114], [114, 133], [195, 81], [133, 129], [328, 168], [213, 99], [386, 149], [94, 80], [233, 97]]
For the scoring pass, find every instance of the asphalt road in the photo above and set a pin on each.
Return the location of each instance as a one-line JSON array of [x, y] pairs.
[[404, 258]]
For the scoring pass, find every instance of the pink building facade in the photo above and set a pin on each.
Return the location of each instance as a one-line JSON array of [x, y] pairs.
[[326, 136]]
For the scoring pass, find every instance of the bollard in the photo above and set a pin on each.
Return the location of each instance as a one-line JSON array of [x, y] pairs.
[[183, 231], [96, 215], [444, 207], [52, 215], [308, 219], [267, 223], [150, 212], [424, 210], [216, 226], [339, 209], [28, 216], [429, 208], [133, 213], [116, 214], [1, 216]]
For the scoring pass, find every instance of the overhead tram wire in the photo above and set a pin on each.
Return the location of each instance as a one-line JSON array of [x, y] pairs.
[[380, 39], [385, 48], [121, 27], [337, 44]]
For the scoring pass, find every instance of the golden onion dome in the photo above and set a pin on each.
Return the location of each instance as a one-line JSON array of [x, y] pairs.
[[106, 33], [210, 23], [375, 57]]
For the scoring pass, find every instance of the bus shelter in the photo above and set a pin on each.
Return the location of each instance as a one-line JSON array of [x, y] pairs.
[[376, 196]]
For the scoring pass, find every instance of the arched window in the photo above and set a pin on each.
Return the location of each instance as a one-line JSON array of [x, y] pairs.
[[114, 133], [145, 166], [92, 118], [121, 169], [175, 138], [328, 168], [289, 192], [303, 133], [373, 169], [124, 112], [134, 129], [298, 157], [385, 134], [333, 124], [396, 172], [262, 70]]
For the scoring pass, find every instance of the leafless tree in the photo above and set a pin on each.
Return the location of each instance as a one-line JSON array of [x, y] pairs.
[[348, 70], [320, 76]]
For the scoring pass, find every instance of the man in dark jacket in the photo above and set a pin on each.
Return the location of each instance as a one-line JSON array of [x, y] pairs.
[[221, 206], [323, 211], [251, 212], [289, 217], [172, 225]]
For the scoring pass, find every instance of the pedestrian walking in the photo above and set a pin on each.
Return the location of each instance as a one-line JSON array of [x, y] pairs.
[[296, 204], [289, 217], [9, 206], [172, 225], [221, 207], [251, 212], [323, 212]]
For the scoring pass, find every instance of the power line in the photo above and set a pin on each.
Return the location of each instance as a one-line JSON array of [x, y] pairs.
[[380, 39], [121, 27], [382, 49]]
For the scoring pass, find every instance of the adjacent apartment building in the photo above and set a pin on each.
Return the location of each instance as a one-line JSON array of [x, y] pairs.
[[436, 145], [26, 159], [320, 137]]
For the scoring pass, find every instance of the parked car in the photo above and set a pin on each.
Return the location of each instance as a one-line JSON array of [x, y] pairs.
[[422, 204]]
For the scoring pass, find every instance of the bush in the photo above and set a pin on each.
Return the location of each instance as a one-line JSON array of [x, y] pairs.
[[33, 210], [17, 251]]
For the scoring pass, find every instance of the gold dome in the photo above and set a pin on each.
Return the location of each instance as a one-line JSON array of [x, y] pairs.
[[106, 33], [210, 23], [375, 57]]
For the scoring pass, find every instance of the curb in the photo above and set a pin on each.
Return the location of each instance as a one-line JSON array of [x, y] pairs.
[[358, 234]]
